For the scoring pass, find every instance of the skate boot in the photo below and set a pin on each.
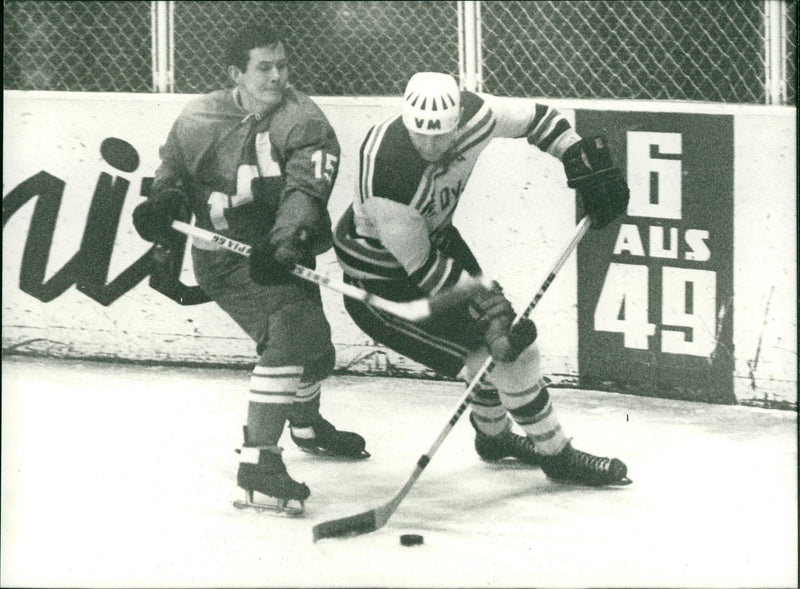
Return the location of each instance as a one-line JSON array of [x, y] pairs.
[[263, 471], [506, 445], [573, 466], [320, 437]]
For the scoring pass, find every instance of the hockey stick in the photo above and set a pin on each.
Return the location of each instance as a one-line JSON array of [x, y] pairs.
[[416, 310], [371, 520]]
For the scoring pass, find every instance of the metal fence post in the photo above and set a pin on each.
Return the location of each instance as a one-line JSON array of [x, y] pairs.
[[162, 14], [775, 51], [469, 45]]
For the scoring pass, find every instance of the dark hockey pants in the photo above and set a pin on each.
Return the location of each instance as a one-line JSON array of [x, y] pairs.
[[440, 343]]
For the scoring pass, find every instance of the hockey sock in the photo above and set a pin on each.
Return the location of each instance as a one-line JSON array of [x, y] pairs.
[[306, 403], [523, 392], [272, 391], [488, 413], [532, 409]]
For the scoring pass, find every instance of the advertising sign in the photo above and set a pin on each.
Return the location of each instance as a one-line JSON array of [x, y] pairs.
[[88, 268], [655, 288]]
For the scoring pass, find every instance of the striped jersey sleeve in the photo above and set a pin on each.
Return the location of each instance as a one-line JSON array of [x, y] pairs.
[[541, 124], [402, 250]]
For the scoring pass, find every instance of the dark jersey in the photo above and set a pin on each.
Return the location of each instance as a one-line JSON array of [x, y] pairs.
[[238, 170], [404, 205]]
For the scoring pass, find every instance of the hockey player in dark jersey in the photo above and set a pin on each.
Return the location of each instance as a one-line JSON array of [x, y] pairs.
[[397, 240], [257, 163]]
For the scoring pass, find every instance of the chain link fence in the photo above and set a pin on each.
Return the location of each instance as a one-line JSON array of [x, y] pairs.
[[334, 48], [77, 46], [684, 50], [706, 50]]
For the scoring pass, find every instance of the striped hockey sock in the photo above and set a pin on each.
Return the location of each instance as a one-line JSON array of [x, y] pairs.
[[272, 393], [532, 409], [488, 413]]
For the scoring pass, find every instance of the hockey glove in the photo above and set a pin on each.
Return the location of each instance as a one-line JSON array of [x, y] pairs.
[[601, 187], [153, 218], [272, 262], [495, 315]]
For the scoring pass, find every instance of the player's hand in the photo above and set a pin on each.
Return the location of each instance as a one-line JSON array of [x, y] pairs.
[[495, 315], [153, 219], [601, 187], [272, 262]]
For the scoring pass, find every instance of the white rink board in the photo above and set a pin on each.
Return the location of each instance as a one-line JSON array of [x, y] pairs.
[[516, 213]]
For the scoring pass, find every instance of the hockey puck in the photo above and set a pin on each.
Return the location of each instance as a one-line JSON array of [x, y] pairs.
[[411, 539]]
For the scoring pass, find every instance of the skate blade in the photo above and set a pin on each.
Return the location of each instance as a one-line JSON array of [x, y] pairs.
[[623, 482], [327, 454], [285, 507], [509, 464], [510, 461]]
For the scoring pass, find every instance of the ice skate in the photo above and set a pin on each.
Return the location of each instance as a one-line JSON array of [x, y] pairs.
[[320, 437], [573, 466], [262, 471], [506, 445]]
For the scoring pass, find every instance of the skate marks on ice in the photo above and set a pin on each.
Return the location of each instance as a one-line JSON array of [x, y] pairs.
[[689, 520], [124, 476]]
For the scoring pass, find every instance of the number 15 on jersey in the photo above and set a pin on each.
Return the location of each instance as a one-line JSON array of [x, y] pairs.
[[324, 165]]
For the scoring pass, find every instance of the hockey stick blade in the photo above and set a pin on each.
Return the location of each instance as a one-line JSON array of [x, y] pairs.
[[417, 310], [369, 521], [346, 527]]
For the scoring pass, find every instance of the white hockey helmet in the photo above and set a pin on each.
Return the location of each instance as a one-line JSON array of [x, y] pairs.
[[431, 103]]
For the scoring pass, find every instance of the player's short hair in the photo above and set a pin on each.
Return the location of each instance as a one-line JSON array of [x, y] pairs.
[[252, 36]]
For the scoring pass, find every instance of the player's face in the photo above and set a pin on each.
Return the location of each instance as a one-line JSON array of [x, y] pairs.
[[432, 148], [264, 81]]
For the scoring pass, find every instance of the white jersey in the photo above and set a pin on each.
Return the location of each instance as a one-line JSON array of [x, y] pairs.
[[403, 203]]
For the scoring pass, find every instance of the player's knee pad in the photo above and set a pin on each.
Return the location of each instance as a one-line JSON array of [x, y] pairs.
[[509, 377], [298, 334]]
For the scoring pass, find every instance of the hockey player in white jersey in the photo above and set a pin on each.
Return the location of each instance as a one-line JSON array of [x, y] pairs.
[[397, 240]]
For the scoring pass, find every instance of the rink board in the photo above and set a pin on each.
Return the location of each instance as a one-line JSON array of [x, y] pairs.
[[75, 274]]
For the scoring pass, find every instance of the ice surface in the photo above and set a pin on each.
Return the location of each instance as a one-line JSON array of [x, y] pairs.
[[120, 475]]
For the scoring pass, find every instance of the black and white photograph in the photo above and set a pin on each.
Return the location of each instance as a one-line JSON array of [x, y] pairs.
[[455, 293]]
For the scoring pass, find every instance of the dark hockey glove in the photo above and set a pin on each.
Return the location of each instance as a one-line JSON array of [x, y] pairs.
[[495, 315], [272, 262], [601, 187], [153, 218]]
